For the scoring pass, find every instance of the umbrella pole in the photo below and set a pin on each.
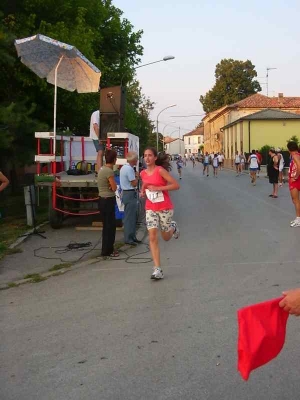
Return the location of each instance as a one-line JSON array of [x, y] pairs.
[[55, 101]]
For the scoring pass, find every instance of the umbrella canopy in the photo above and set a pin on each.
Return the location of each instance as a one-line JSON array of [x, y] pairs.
[[45, 56]]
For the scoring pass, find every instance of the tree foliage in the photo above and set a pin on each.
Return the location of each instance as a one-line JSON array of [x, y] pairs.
[[98, 30], [137, 114], [234, 81], [295, 139]]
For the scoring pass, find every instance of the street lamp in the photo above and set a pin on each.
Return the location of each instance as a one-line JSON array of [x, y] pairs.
[[166, 58], [179, 138], [163, 133], [173, 105]]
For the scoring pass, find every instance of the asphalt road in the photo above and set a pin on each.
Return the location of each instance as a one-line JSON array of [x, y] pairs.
[[108, 332]]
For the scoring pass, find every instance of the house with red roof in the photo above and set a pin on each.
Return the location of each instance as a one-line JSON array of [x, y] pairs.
[[173, 145], [215, 121]]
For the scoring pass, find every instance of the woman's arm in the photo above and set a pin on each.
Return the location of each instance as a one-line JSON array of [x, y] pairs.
[[172, 183], [4, 182], [112, 183]]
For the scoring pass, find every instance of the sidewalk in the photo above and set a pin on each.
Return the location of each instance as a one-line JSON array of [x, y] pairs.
[[38, 255]]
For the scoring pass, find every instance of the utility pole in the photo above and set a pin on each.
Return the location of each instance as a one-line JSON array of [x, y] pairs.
[[267, 76]]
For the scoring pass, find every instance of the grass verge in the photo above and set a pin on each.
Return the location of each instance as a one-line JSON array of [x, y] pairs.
[[14, 222], [57, 267], [35, 278]]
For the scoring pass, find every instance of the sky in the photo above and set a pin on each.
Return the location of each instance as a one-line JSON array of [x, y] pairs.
[[199, 34]]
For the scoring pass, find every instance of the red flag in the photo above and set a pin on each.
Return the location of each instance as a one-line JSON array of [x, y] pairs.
[[261, 336]]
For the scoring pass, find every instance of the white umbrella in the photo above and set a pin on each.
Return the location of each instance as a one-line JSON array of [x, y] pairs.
[[60, 63]]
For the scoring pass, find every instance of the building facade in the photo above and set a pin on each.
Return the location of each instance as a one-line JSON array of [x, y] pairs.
[[193, 140], [267, 127], [174, 146], [214, 121]]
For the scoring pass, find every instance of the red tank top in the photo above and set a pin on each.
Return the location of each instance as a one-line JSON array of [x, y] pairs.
[[292, 173], [293, 168], [156, 179]]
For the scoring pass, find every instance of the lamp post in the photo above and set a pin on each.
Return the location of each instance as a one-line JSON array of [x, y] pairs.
[[166, 58], [172, 105], [163, 139], [178, 130]]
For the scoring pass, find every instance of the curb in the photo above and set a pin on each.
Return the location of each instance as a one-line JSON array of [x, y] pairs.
[[49, 274]]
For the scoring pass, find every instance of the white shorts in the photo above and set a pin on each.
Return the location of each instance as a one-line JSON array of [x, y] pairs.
[[159, 219], [281, 168]]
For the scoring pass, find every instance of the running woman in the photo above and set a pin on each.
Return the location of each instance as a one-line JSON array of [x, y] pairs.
[[179, 164], [206, 164], [193, 161], [253, 166], [237, 163], [294, 180], [243, 159], [215, 164], [157, 182]]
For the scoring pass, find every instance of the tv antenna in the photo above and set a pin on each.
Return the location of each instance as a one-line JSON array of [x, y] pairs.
[[267, 78]]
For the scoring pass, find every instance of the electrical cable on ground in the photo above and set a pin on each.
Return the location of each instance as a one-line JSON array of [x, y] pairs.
[[74, 246]]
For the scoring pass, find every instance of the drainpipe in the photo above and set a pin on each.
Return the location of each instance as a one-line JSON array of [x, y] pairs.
[[249, 130]]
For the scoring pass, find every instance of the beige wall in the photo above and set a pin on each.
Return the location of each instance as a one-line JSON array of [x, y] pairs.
[[273, 133], [213, 137]]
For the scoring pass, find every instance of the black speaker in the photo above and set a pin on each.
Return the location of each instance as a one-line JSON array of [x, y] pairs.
[[112, 110]]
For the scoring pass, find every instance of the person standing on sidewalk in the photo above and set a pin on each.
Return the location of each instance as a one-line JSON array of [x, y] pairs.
[[107, 201], [253, 166], [273, 172], [157, 182], [294, 180], [280, 166], [129, 181], [95, 136]]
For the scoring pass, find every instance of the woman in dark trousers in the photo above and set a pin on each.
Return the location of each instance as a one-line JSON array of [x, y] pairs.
[[107, 201], [273, 172]]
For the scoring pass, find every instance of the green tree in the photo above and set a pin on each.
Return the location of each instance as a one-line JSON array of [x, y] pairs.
[[96, 28], [137, 115], [294, 139], [234, 81]]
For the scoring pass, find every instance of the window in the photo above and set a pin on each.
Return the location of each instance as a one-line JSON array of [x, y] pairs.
[[199, 141], [190, 150], [189, 140]]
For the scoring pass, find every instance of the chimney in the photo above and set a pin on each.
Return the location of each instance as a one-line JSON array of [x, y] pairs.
[[280, 95]]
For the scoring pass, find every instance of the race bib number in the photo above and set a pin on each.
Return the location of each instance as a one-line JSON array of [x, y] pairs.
[[155, 197]]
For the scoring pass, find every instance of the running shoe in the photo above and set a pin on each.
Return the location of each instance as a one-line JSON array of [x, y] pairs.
[[176, 232], [157, 274], [295, 223]]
